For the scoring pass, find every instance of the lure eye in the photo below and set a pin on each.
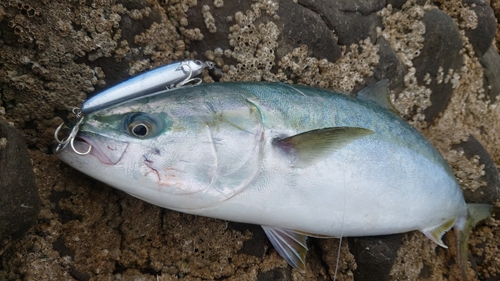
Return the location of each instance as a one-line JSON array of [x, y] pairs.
[[142, 125]]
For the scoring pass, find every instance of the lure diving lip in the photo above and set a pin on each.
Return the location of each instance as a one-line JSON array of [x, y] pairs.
[[162, 78]]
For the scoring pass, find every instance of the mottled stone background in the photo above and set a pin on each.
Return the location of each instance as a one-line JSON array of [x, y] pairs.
[[441, 58]]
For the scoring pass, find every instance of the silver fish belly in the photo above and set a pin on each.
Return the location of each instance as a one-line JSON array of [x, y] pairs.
[[297, 160]]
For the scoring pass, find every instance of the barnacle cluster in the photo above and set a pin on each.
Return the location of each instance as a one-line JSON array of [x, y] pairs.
[[254, 48], [209, 19], [465, 17], [177, 14], [218, 3], [341, 75], [417, 256], [404, 31], [482, 247], [253, 45]]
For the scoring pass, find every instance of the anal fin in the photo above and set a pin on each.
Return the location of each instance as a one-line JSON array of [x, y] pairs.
[[436, 233], [290, 245]]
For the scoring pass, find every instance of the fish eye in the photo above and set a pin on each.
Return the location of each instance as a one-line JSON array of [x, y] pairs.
[[140, 129], [141, 125]]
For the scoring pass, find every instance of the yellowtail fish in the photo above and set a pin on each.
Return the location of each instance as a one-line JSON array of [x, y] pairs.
[[299, 161]]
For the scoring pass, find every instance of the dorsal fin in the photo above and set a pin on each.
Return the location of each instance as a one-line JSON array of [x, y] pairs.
[[378, 93]]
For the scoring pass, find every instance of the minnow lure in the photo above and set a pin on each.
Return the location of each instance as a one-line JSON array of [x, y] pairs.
[[165, 77]]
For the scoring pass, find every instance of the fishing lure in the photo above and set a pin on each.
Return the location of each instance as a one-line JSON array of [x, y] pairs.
[[166, 77]]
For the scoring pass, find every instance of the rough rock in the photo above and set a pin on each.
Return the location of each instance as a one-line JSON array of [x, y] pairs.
[[281, 274], [495, 5], [389, 67], [19, 200], [398, 4], [339, 14], [491, 191], [56, 54], [440, 56], [374, 256], [117, 71], [491, 67], [318, 37], [482, 34]]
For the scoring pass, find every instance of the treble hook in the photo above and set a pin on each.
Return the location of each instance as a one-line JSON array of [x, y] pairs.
[[187, 80], [71, 138]]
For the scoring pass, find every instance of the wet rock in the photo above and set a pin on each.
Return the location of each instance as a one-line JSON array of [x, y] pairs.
[[374, 256], [482, 35], [340, 16], [19, 200], [440, 54], [491, 192], [491, 69]]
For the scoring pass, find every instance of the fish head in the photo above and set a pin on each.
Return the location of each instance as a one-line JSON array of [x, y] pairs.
[[171, 155]]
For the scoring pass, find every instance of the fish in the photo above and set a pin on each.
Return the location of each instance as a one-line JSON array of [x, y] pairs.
[[297, 160], [150, 82]]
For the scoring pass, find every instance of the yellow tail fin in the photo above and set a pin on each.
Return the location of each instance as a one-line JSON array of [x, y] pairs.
[[477, 213]]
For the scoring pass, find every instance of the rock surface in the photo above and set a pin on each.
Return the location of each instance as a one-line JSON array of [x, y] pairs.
[[374, 256], [474, 151], [19, 200], [55, 54], [482, 33], [491, 67], [440, 55]]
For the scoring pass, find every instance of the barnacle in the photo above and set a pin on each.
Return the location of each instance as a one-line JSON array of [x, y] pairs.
[[209, 19]]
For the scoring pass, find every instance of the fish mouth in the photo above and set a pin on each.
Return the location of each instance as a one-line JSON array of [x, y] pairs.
[[107, 150]]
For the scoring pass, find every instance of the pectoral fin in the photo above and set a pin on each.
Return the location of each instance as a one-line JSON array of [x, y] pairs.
[[313, 146], [437, 232], [290, 245]]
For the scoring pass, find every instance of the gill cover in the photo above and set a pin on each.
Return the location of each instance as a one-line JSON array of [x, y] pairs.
[[205, 157]]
